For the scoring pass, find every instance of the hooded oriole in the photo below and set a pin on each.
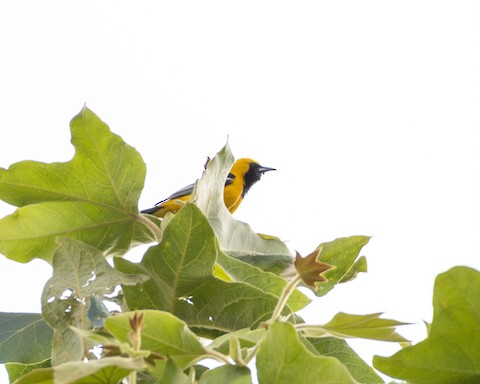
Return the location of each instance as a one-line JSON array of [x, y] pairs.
[[244, 173]]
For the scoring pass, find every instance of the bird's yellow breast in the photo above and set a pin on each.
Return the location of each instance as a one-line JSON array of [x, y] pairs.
[[233, 192]]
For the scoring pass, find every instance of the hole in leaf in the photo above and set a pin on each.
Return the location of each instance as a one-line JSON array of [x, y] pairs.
[[92, 278], [187, 299], [66, 294]]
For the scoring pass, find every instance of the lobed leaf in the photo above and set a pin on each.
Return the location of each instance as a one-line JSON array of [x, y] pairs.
[[236, 238], [79, 272], [451, 352], [310, 269], [341, 253], [345, 325], [92, 197]]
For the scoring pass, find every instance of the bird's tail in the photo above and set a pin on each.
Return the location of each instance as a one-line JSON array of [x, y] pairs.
[[151, 211]]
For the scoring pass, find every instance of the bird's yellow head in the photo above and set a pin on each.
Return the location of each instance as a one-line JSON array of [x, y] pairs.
[[248, 170]]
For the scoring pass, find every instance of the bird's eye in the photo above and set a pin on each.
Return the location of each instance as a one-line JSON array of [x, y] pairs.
[[229, 180]]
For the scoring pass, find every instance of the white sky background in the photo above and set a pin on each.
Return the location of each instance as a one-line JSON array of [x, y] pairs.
[[369, 111]]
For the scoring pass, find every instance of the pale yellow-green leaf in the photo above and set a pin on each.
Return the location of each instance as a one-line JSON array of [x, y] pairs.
[[451, 352], [92, 197], [283, 359], [162, 333], [344, 325]]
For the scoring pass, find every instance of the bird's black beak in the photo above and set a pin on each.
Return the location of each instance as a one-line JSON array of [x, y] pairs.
[[263, 169]]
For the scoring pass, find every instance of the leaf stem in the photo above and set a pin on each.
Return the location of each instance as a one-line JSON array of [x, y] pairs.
[[282, 302], [154, 229], [238, 356], [317, 328], [132, 377], [253, 351], [136, 325], [217, 356], [284, 296]]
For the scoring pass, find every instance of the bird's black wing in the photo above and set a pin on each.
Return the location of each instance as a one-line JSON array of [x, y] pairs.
[[189, 189], [184, 192], [180, 193]]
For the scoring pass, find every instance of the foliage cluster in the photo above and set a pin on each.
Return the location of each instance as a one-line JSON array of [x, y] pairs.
[[209, 288]]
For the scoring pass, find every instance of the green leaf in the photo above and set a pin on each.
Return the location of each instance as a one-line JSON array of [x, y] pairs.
[[266, 262], [17, 370], [92, 197], [230, 374], [451, 352], [236, 238], [342, 253], [266, 281], [105, 371], [283, 358], [363, 326], [162, 333], [338, 348], [97, 310], [166, 372], [18, 331], [182, 281], [360, 265], [80, 271]]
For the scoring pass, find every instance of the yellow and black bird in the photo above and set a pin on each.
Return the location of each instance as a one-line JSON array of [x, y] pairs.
[[244, 173]]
